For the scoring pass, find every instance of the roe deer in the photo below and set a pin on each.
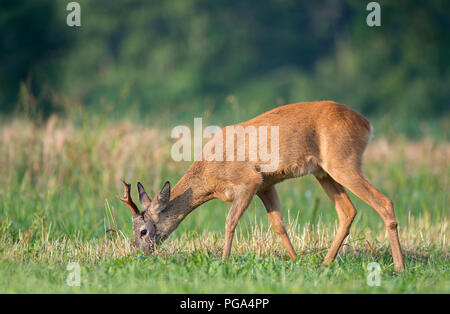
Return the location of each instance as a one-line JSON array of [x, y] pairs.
[[322, 138]]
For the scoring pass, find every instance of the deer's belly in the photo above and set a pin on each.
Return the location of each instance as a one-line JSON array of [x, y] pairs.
[[293, 170]]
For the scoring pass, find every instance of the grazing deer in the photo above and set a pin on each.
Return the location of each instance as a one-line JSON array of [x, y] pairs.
[[324, 138]]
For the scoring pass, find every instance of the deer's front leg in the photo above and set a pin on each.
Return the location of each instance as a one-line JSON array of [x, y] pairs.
[[240, 204], [273, 207]]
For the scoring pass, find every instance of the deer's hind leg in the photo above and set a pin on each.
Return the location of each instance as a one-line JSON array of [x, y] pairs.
[[345, 210], [272, 204], [353, 179]]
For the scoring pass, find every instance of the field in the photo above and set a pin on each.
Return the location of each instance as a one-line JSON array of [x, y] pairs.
[[58, 185]]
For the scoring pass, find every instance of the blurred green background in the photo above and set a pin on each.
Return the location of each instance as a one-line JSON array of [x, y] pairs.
[[163, 62]]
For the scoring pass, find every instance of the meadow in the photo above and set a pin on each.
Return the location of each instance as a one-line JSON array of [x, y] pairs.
[[58, 185]]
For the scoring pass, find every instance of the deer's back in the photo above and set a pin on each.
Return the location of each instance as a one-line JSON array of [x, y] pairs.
[[312, 136]]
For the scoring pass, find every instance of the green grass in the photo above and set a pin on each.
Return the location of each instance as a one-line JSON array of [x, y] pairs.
[[202, 273], [57, 197]]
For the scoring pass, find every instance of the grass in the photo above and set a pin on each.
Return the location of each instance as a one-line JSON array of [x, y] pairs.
[[57, 200]]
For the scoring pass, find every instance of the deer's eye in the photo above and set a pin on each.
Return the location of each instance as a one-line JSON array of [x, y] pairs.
[[143, 232]]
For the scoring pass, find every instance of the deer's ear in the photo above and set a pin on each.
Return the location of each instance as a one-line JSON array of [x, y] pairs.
[[143, 197], [164, 195]]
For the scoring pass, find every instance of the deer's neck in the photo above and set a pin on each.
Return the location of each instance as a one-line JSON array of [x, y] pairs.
[[189, 193]]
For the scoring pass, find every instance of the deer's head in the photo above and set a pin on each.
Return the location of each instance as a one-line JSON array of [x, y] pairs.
[[147, 236]]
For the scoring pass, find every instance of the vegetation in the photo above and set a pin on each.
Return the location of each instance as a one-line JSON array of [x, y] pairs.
[[58, 205], [232, 59]]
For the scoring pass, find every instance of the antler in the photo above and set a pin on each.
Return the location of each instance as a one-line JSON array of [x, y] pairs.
[[127, 199]]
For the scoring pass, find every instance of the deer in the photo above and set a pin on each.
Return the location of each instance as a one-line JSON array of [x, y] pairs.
[[323, 138]]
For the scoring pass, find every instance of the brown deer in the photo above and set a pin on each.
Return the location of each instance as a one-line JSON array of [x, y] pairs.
[[324, 138]]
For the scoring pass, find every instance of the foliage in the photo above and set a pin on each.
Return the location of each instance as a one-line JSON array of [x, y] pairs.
[[174, 58]]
